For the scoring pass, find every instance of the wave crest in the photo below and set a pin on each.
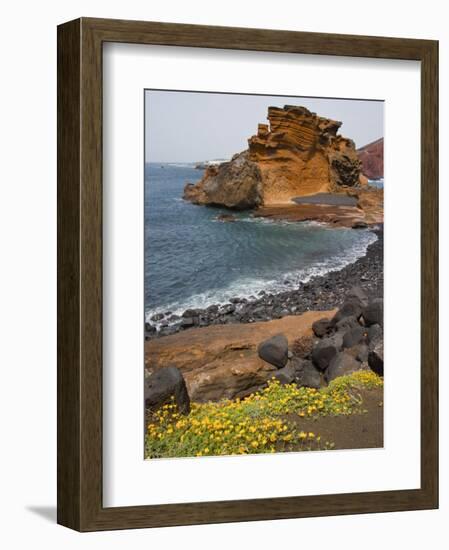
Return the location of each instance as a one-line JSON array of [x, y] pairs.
[[249, 287]]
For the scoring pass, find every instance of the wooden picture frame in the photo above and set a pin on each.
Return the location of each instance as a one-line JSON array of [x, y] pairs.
[[80, 504]]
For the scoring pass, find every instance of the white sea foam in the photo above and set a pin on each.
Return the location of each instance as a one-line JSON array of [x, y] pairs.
[[250, 287], [180, 164]]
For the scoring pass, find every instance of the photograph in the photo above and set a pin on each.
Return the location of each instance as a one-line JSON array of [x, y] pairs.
[[263, 274]]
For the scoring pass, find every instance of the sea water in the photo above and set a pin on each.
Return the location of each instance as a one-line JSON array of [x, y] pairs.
[[192, 260]]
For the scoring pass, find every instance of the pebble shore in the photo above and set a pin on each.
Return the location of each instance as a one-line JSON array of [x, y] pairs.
[[319, 293]]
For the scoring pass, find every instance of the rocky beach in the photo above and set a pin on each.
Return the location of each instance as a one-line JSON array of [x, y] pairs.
[[320, 293]]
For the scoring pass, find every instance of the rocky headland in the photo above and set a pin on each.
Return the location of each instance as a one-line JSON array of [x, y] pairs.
[[297, 153], [297, 156]]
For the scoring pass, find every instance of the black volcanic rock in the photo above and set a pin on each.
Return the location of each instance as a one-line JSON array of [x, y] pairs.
[[274, 350]]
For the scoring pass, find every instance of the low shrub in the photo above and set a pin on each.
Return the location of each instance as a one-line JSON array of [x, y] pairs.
[[260, 423]]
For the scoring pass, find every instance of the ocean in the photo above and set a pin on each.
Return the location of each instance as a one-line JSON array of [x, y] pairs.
[[193, 261]]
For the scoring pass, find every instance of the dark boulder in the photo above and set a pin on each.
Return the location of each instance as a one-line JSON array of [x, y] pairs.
[[306, 375], [150, 330], [350, 308], [227, 308], [192, 313], [157, 317], [373, 313], [376, 357], [286, 375], [357, 293], [323, 353], [374, 332], [359, 351], [168, 330], [353, 337], [346, 323], [274, 350], [343, 363], [362, 353], [337, 339], [164, 384], [173, 318], [188, 322], [359, 225], [321, 327]]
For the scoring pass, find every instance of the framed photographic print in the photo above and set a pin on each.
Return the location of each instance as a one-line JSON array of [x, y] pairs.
[[247, 232]]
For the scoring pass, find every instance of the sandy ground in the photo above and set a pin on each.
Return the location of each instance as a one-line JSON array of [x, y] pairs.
[[355, 431]]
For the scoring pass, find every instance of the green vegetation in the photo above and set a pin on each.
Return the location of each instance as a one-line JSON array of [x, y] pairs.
[[260, 423]]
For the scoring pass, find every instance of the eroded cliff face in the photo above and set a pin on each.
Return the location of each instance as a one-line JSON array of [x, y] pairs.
[[372, 158], [297, 153]]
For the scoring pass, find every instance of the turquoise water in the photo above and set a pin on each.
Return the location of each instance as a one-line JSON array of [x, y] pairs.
[[193, 260]]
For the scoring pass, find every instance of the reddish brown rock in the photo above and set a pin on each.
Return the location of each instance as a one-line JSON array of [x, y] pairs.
[[297, 153], [221, 361], [372, 158]]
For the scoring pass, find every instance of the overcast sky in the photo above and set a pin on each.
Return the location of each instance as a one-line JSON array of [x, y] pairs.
[[192, 126]]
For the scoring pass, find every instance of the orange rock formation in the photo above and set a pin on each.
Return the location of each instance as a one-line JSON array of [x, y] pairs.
[[297, 153]]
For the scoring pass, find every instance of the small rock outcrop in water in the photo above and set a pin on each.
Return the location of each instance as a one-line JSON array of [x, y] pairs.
[[297, 153], [372, 157]]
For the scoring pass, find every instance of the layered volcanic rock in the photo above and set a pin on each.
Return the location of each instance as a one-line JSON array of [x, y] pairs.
[[372, 158], [297, 153]]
